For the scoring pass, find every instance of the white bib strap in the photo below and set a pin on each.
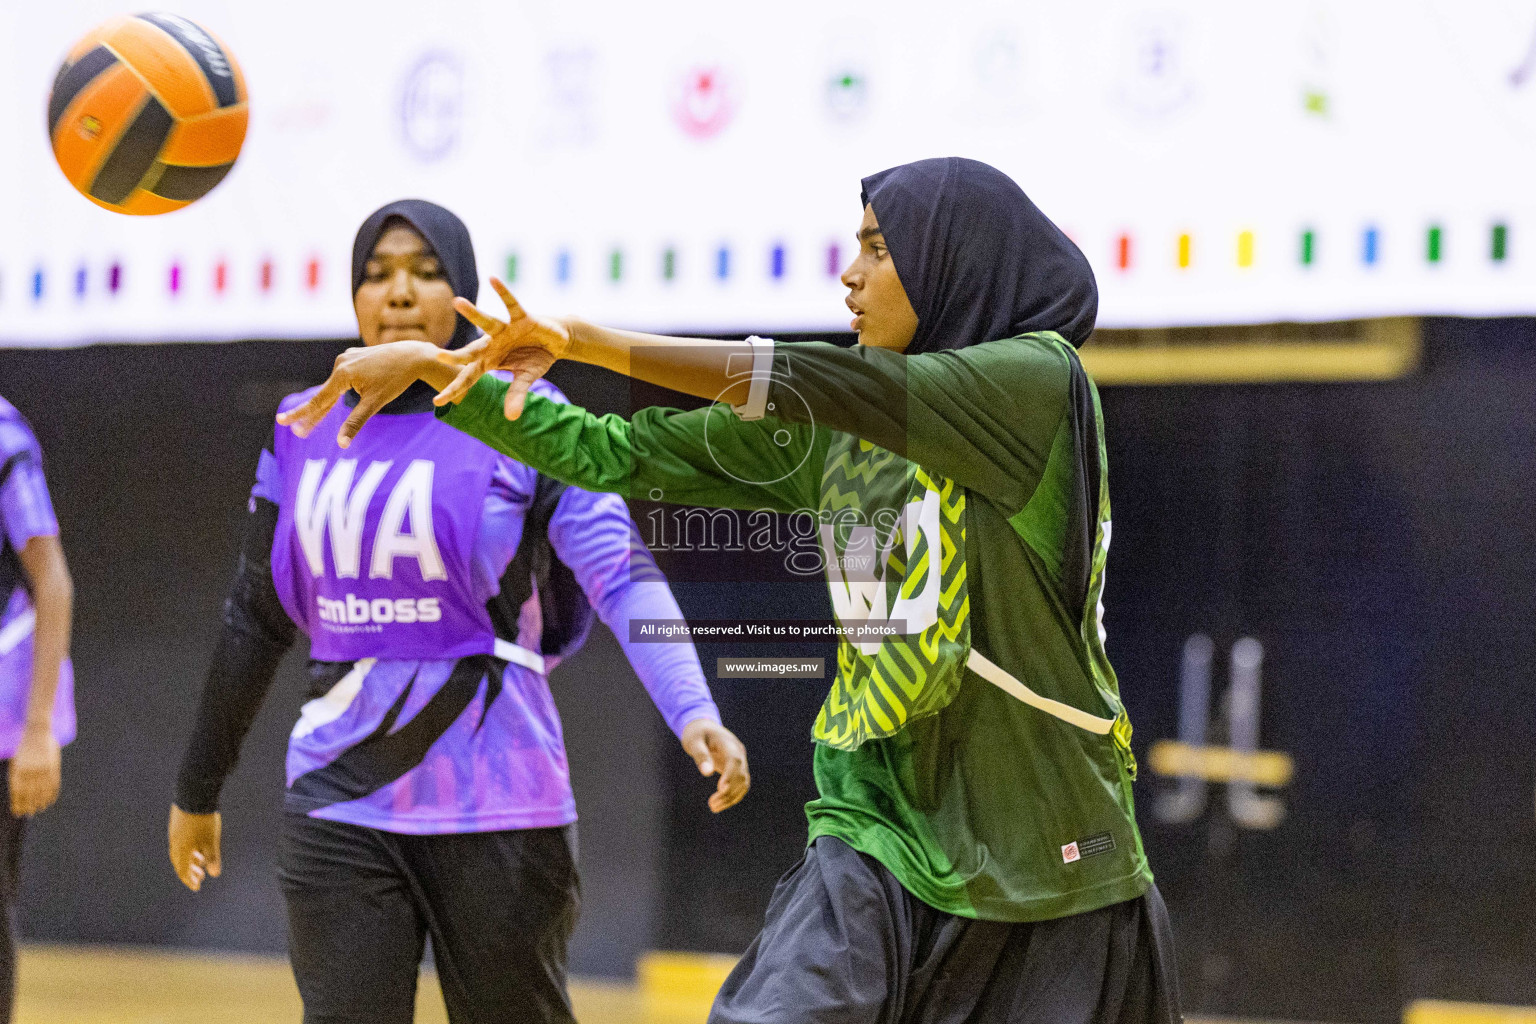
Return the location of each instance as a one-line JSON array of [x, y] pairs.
[[508, 651], [325, 710], [1011, 686], [17, 630]]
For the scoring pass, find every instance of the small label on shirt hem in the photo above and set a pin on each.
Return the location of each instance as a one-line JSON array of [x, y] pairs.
[[1092, 846]]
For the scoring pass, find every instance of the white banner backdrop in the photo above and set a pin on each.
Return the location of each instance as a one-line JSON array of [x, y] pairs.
[[677, 165]]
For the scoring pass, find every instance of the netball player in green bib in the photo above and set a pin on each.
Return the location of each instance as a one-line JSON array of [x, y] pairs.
[[973, 852]]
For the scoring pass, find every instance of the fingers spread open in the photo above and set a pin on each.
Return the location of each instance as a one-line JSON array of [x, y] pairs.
[[517, 393], [467, 309], [462, 356], [514, 308], [366, 407], [303, 419], [461, 384]]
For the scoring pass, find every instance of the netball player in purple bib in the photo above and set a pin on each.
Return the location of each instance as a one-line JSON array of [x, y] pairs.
[[438, 582], [37, 701]]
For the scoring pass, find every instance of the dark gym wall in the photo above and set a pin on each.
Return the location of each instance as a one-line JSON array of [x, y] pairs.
[[1375, 537], [149, 452], [1378, 540]]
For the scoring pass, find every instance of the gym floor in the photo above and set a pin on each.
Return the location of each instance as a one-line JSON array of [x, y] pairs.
[[118, 985], [101, 985]]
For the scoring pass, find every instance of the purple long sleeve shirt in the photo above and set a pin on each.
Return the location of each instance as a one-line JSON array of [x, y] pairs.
[[26, 511], [500, 763]]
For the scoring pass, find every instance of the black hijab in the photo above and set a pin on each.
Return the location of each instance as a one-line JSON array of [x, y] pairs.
[[535, 568], [448, 239], [978, 260], [979, 263]]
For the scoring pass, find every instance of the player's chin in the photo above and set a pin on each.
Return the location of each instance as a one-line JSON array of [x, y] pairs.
[[386, 335]]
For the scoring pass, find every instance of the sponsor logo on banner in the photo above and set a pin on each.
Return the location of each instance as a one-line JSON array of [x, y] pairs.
[[1002, 69], [1157, 75], [847, 93], [432, 106], [705, 101], [568, 115], [1494, 46]]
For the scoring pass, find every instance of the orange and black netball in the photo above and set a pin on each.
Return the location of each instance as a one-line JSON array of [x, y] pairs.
[[147, 113]]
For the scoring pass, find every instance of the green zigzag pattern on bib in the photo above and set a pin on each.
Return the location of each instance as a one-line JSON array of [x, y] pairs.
[[912, 676]]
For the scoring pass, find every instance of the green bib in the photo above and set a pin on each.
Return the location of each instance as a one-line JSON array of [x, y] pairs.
[[894, 542]]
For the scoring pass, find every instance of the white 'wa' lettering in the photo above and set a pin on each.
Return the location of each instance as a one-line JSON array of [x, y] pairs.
[[331, 503]]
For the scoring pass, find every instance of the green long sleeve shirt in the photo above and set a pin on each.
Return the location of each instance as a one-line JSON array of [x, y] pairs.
[[944, 486]]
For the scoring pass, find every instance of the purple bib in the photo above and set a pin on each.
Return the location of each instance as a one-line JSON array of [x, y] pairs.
[[375, 543]]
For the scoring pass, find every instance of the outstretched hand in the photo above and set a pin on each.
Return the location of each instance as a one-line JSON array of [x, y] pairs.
[[526, 345], [378, 374]]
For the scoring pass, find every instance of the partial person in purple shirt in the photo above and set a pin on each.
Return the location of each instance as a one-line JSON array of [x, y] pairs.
[[37, 699], [438, 582]]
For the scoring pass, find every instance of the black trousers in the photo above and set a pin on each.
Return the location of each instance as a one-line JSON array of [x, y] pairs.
[[844, 943], [499, 907], [12, 832]]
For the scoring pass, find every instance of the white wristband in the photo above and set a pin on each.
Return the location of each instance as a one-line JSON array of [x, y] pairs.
[[756, 405]]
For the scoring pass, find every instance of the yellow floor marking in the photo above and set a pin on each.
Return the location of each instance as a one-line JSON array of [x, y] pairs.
[[1433, 1011]]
